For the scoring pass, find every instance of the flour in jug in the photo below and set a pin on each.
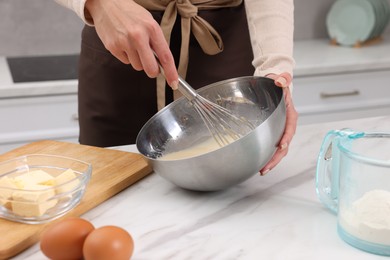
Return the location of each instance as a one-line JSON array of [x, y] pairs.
[[369, 217]]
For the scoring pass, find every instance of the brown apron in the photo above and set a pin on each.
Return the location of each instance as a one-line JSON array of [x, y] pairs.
[[115, 101]]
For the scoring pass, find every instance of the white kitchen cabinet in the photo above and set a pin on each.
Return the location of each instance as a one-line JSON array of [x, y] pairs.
[[342, 96], [333, 83], [31, 118]]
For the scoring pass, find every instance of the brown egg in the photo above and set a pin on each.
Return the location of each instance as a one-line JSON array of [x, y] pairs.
[[65, 239], [108, 242]]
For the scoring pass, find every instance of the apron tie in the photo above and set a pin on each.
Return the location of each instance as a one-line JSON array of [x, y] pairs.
[[208, 38]]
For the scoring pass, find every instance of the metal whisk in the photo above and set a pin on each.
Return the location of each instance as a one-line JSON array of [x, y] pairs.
[[221, 123]]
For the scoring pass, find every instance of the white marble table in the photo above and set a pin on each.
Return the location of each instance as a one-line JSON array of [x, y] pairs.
[[277, 216]]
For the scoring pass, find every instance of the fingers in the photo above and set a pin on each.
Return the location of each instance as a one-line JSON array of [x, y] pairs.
[[138, 47], [289, 132], [131, 34], [278, 156], [143, 57], [121, 55], [282, 80], [148, 62], [126, 55], [134, 59], [170, 71], [291, 116], [165, 57], [140, 51]]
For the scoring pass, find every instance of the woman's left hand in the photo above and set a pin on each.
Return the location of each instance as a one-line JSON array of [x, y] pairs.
[[283, 80]]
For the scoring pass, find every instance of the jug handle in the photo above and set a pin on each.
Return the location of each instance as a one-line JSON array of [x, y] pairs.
[[326, 188], [328, 161], [327, 174]]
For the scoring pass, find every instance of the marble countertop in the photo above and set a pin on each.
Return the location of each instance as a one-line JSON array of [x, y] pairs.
[[313, 57], [318, 57], [277, 216]]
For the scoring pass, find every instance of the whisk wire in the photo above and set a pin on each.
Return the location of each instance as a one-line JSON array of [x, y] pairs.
[[219, 121], [221, 140]]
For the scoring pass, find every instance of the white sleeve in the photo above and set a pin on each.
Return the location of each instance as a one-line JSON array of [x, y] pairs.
[[271, 27], [78, 6]]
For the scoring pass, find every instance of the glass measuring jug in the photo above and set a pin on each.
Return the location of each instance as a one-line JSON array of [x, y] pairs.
[[353, 181]]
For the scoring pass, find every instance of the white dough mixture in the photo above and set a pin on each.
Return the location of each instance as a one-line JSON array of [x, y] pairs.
[[201, 148]]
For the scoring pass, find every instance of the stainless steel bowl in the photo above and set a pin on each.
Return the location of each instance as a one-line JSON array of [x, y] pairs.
[[178, 126]]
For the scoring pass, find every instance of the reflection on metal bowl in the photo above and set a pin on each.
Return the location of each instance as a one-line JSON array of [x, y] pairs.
[[178, 127]]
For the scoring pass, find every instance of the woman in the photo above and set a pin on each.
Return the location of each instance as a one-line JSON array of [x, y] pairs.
[[204, 41]]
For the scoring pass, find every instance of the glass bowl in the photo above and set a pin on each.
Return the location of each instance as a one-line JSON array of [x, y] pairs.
[[38, 188]]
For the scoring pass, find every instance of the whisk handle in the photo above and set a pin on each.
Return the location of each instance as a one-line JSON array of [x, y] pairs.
[[183, 87], [186, 89]]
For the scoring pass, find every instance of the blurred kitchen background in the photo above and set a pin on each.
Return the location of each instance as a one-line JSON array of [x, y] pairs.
[[331, 82], [43, 27]]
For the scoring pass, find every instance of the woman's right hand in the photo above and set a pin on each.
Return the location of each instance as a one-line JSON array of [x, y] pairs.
[[131, 34]]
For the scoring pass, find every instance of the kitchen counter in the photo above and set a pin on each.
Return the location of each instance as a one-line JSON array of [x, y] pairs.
[[277, 216], [319, 57], [10, 89]]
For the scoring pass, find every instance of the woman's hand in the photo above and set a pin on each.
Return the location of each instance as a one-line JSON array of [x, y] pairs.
[[283, 80], [131, 34]]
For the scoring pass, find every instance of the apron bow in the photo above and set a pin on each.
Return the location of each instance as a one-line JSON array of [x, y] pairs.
[[208, 38]]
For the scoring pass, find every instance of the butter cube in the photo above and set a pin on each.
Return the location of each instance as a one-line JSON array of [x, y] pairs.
[[6, 186], [33, 193], [33, 201], [67, 176], [34, 177], [32, 209]]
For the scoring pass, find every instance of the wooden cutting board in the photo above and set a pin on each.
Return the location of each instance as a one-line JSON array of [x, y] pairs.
[[112, 171]]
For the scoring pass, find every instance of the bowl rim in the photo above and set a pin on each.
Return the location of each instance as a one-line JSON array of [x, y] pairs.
[[200, 90], [75, 194], [85, 175]]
